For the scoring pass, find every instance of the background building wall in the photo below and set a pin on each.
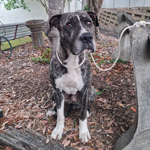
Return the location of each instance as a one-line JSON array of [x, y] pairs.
[[37, 11], [125, 3], [72, 6]]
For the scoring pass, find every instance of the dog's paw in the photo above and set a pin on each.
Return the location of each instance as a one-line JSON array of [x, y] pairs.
[[88, 114], [84, 134], [50, 112], [57, 132]]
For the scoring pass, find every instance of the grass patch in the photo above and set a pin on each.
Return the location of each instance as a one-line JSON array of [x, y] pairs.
[[103, 90], [44, 36], [100, 60], [18, 42], [44, 58], [118, 61]]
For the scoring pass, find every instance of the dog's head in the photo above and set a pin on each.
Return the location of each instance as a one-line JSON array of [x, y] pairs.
[[76, 30]]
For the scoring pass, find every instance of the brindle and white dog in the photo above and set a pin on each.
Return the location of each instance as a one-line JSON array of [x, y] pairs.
[[72, 84]]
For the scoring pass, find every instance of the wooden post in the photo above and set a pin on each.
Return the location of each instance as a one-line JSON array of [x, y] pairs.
[[138, 135]]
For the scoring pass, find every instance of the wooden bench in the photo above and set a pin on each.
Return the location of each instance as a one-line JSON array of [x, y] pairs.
[[16, 30]]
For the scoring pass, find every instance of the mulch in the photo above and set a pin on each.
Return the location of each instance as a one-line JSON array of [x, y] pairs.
[[25, 97]]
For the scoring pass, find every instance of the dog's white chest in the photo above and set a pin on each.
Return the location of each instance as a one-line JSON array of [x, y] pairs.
[[70, 82]]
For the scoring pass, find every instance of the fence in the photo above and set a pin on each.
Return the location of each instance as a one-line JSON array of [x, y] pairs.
[[108, 17]]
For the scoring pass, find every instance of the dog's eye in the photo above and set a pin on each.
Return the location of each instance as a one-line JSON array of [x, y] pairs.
[[69, 25], [88, 23]]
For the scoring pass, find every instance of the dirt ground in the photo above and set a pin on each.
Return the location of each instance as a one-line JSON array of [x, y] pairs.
[[25, 97]]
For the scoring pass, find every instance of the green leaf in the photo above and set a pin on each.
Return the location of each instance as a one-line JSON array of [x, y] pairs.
[[14, 4]]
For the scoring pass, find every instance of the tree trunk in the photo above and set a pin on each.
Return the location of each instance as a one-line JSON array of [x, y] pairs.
[[97, 4], [55, 7]]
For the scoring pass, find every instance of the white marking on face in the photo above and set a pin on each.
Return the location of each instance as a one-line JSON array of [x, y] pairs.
[[60, 123], [78, 42], [71, 82], [83, 30], [84, 134]]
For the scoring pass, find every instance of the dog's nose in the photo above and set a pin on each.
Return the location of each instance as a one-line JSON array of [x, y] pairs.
[[86, 37]]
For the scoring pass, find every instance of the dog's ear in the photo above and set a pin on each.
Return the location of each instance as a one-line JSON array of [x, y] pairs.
[[93, 17], [54, 21]]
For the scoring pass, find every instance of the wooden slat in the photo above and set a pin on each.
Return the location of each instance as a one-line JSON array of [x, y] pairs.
[[108, 17], [11, 37], [23, 35], [12, 24], [10, 29], [23, 27]]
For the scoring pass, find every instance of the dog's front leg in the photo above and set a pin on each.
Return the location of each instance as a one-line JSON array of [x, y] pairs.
[[84, 134], [59, 98]]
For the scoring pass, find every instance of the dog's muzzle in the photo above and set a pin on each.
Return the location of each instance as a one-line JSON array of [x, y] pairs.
[[85, 42], [86, 38]]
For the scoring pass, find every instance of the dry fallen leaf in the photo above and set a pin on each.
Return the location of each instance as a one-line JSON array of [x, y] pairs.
[[47, 141], [132, 91], [110, 123], [49, 131], [29, 125], [72, 135], [120, 104], [43, 121], [101, 100], [94, 72], [44, 130], [64, 141], [122, 129], [39, 115], [26, 117], [67, 143], [6, 112], [93, 130], [109, 131], [35, 107], [91, 123], [3, 125], [18, 126], [133, 109], [73, 144], [107, 79]]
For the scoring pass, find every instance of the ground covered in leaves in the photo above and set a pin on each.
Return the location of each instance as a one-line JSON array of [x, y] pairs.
[[25, 96]]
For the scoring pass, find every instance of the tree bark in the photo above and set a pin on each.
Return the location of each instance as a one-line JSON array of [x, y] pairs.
[[97, 4], [55, 7]]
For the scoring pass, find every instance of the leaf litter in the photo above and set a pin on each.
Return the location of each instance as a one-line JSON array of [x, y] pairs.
[[25, 97]]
